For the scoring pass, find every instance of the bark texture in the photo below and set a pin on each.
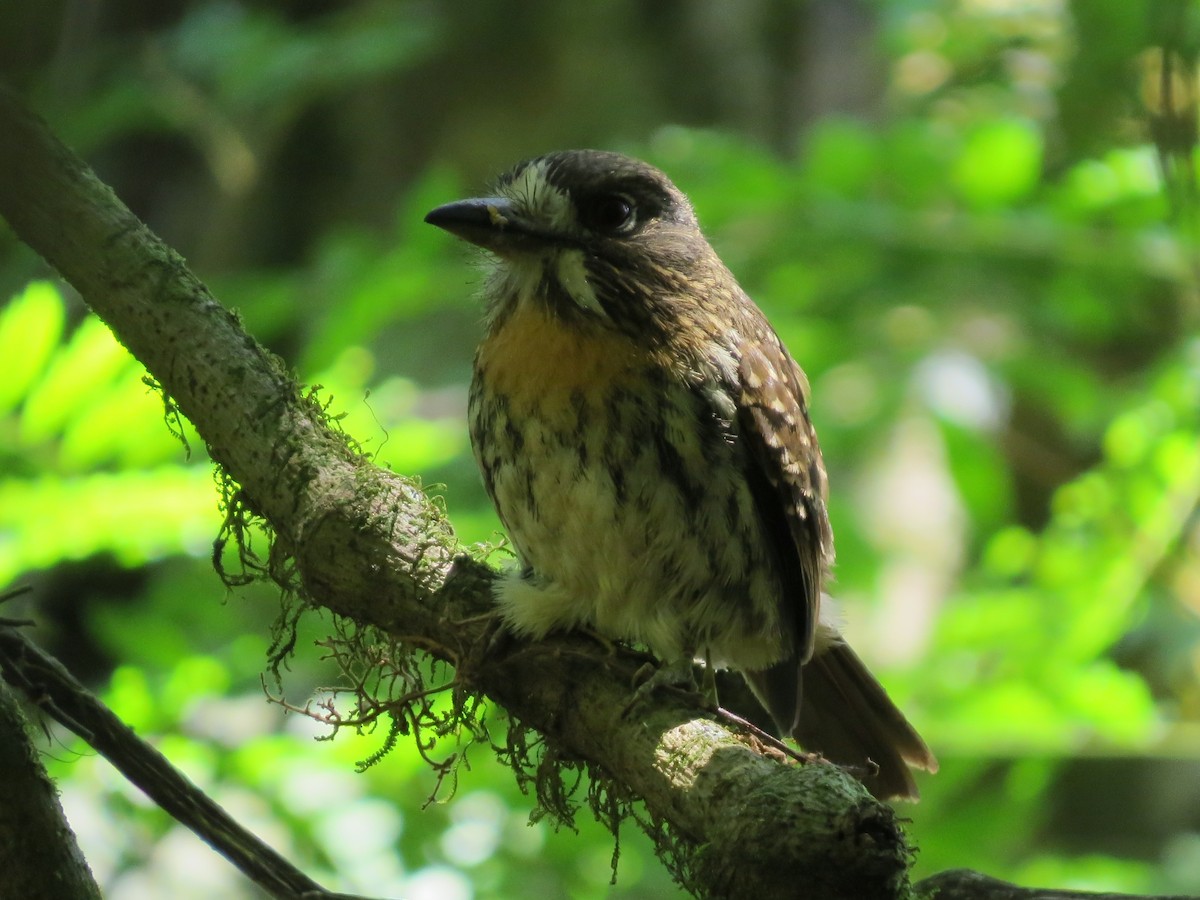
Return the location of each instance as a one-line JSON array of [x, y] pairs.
[[39, 858]]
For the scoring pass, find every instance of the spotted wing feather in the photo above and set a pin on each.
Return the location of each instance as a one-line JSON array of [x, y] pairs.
[[787, 479]]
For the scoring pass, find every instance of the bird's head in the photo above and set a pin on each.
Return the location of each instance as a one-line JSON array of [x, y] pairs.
[[595, 234]]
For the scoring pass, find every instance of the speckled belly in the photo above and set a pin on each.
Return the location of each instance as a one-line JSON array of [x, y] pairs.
[[630, 512]]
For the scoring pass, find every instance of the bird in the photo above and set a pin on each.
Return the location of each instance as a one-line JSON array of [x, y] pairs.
[[645, 438]]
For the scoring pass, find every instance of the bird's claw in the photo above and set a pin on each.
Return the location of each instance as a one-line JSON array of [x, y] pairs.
[[677, 677]]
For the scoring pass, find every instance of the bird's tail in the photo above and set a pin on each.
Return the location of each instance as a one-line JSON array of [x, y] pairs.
[[847, 717]]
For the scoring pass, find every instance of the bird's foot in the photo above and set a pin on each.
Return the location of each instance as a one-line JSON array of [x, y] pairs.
[[610, 647], [497, 638], [677, 676]]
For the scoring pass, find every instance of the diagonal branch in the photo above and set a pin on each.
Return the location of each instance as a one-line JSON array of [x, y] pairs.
[[47, 683], [963, 884], [38, 853]]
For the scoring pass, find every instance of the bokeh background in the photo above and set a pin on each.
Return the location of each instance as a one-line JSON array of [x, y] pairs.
[[972, 221]]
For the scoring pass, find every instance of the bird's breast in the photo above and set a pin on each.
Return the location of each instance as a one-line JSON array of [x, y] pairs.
[[622, 488], [536, 357]]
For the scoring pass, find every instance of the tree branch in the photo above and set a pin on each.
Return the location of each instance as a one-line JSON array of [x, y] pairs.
[[38, 853], [963, 884], [46, 683], [368, 545]]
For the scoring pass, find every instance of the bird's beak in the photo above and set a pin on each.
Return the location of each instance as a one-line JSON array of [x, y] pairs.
[[489, 222]]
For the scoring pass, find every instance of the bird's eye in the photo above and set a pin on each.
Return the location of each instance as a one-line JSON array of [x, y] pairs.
[[608, 214]]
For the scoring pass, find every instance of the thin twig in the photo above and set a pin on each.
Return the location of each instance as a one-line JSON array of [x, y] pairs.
[[47, 683]]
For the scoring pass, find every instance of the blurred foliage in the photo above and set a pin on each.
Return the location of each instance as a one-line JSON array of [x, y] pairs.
[[974, 222]]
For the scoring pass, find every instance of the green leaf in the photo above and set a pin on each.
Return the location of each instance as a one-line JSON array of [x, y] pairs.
[[135, 516], [30, 329], [842, 156], [1000, 164], [91, 360]]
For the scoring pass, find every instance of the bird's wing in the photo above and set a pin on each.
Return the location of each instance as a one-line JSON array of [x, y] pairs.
[[786, 476]]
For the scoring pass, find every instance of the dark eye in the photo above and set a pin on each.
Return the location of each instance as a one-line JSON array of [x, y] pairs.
[[608, 213]]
